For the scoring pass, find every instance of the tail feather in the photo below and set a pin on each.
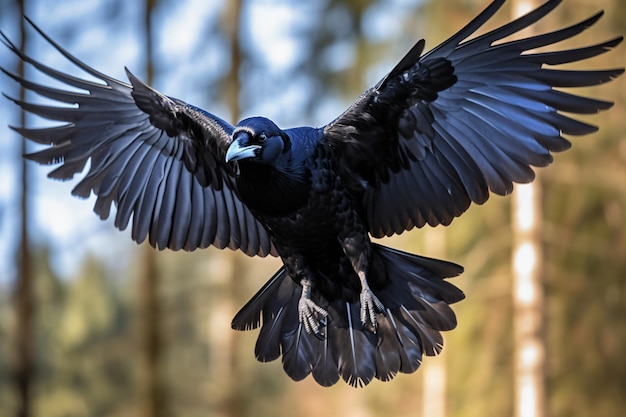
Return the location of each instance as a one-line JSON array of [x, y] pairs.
[[325, 366], [416, 300], [268, 344], [249, 317], [299, 352], [426, 280], [431, 339], [354, 347], [399, 350]]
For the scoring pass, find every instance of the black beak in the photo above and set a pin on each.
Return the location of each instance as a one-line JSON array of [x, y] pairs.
[[240, 148]]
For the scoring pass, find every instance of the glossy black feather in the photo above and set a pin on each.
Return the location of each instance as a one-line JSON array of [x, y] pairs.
[[484, 132], [417, 300], [158, 159], [443, 129]]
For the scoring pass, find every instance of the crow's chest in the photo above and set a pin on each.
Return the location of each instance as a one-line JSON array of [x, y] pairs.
[[313, 223], [323, 209]]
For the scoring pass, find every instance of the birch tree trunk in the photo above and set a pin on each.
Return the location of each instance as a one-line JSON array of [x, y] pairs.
[[528, 291], [434, 370]]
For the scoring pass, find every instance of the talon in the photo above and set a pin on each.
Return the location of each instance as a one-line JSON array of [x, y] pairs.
[[370, 306], [310, 314]]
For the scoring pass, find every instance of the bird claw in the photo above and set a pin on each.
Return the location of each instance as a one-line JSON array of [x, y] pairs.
[[370, 305], [311, 316]]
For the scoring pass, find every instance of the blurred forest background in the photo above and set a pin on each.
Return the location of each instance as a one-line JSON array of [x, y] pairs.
[[93, 325]]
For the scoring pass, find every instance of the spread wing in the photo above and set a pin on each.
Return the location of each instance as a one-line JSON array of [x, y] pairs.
[[443, 129], [158, 159]]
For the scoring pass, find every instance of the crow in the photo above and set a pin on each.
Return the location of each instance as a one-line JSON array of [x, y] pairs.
[[441, 130]]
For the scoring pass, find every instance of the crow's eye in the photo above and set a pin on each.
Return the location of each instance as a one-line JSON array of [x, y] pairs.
[[262, 137]]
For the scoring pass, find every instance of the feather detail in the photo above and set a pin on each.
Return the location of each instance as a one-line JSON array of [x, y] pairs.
[[417, 309]]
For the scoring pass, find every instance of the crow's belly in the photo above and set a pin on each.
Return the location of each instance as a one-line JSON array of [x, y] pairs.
[[311, 231], [310, 237]]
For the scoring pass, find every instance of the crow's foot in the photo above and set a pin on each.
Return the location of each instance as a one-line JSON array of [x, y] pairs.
[[370, 305], [310, 314]]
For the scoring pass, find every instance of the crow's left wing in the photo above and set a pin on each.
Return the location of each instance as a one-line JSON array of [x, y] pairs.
[[443, 129], [158, 159]]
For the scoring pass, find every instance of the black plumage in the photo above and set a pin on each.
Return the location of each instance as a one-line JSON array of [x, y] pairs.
[[439, 132]]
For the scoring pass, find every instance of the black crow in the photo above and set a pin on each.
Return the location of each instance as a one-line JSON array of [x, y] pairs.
[[440, 131]]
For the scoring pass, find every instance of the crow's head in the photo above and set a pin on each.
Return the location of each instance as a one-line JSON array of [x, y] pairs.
[[258, 139], [271, 178]]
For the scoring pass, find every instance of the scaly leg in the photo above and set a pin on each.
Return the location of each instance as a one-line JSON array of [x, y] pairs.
[[358, 250], [312, 316], [309, 313], [370, 304]]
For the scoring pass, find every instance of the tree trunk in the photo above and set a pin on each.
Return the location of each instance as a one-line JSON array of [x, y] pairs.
[[153, 393], [434, 369], [223, 341], [528, 297], [25, 305]]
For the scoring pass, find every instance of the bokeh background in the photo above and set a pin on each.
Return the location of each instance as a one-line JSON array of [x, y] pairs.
[[93, 325]]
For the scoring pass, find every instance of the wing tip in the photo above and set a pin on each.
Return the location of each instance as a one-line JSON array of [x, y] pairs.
[[134, 80]]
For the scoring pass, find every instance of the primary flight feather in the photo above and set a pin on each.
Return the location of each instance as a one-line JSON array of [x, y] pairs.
[[440, 131]]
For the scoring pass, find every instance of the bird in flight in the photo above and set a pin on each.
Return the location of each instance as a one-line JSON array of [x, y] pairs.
[[441, 130]]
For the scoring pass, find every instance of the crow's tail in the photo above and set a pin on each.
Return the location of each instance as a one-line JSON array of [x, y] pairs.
[[416, 300]]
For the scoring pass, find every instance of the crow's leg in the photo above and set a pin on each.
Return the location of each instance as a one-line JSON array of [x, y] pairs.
[[310, 314], [358, 250], [370, 304]]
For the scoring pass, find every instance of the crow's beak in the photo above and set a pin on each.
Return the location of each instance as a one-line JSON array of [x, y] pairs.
[[240, 149]]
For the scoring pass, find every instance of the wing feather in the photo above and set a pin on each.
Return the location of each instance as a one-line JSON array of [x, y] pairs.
[[158, 159], [469, 117], [196, 223]]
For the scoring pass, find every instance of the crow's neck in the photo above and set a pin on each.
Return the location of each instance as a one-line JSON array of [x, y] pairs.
[[270, 192]]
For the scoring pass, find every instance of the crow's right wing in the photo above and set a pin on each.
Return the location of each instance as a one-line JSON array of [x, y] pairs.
[[160, 160], [470, 117]]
